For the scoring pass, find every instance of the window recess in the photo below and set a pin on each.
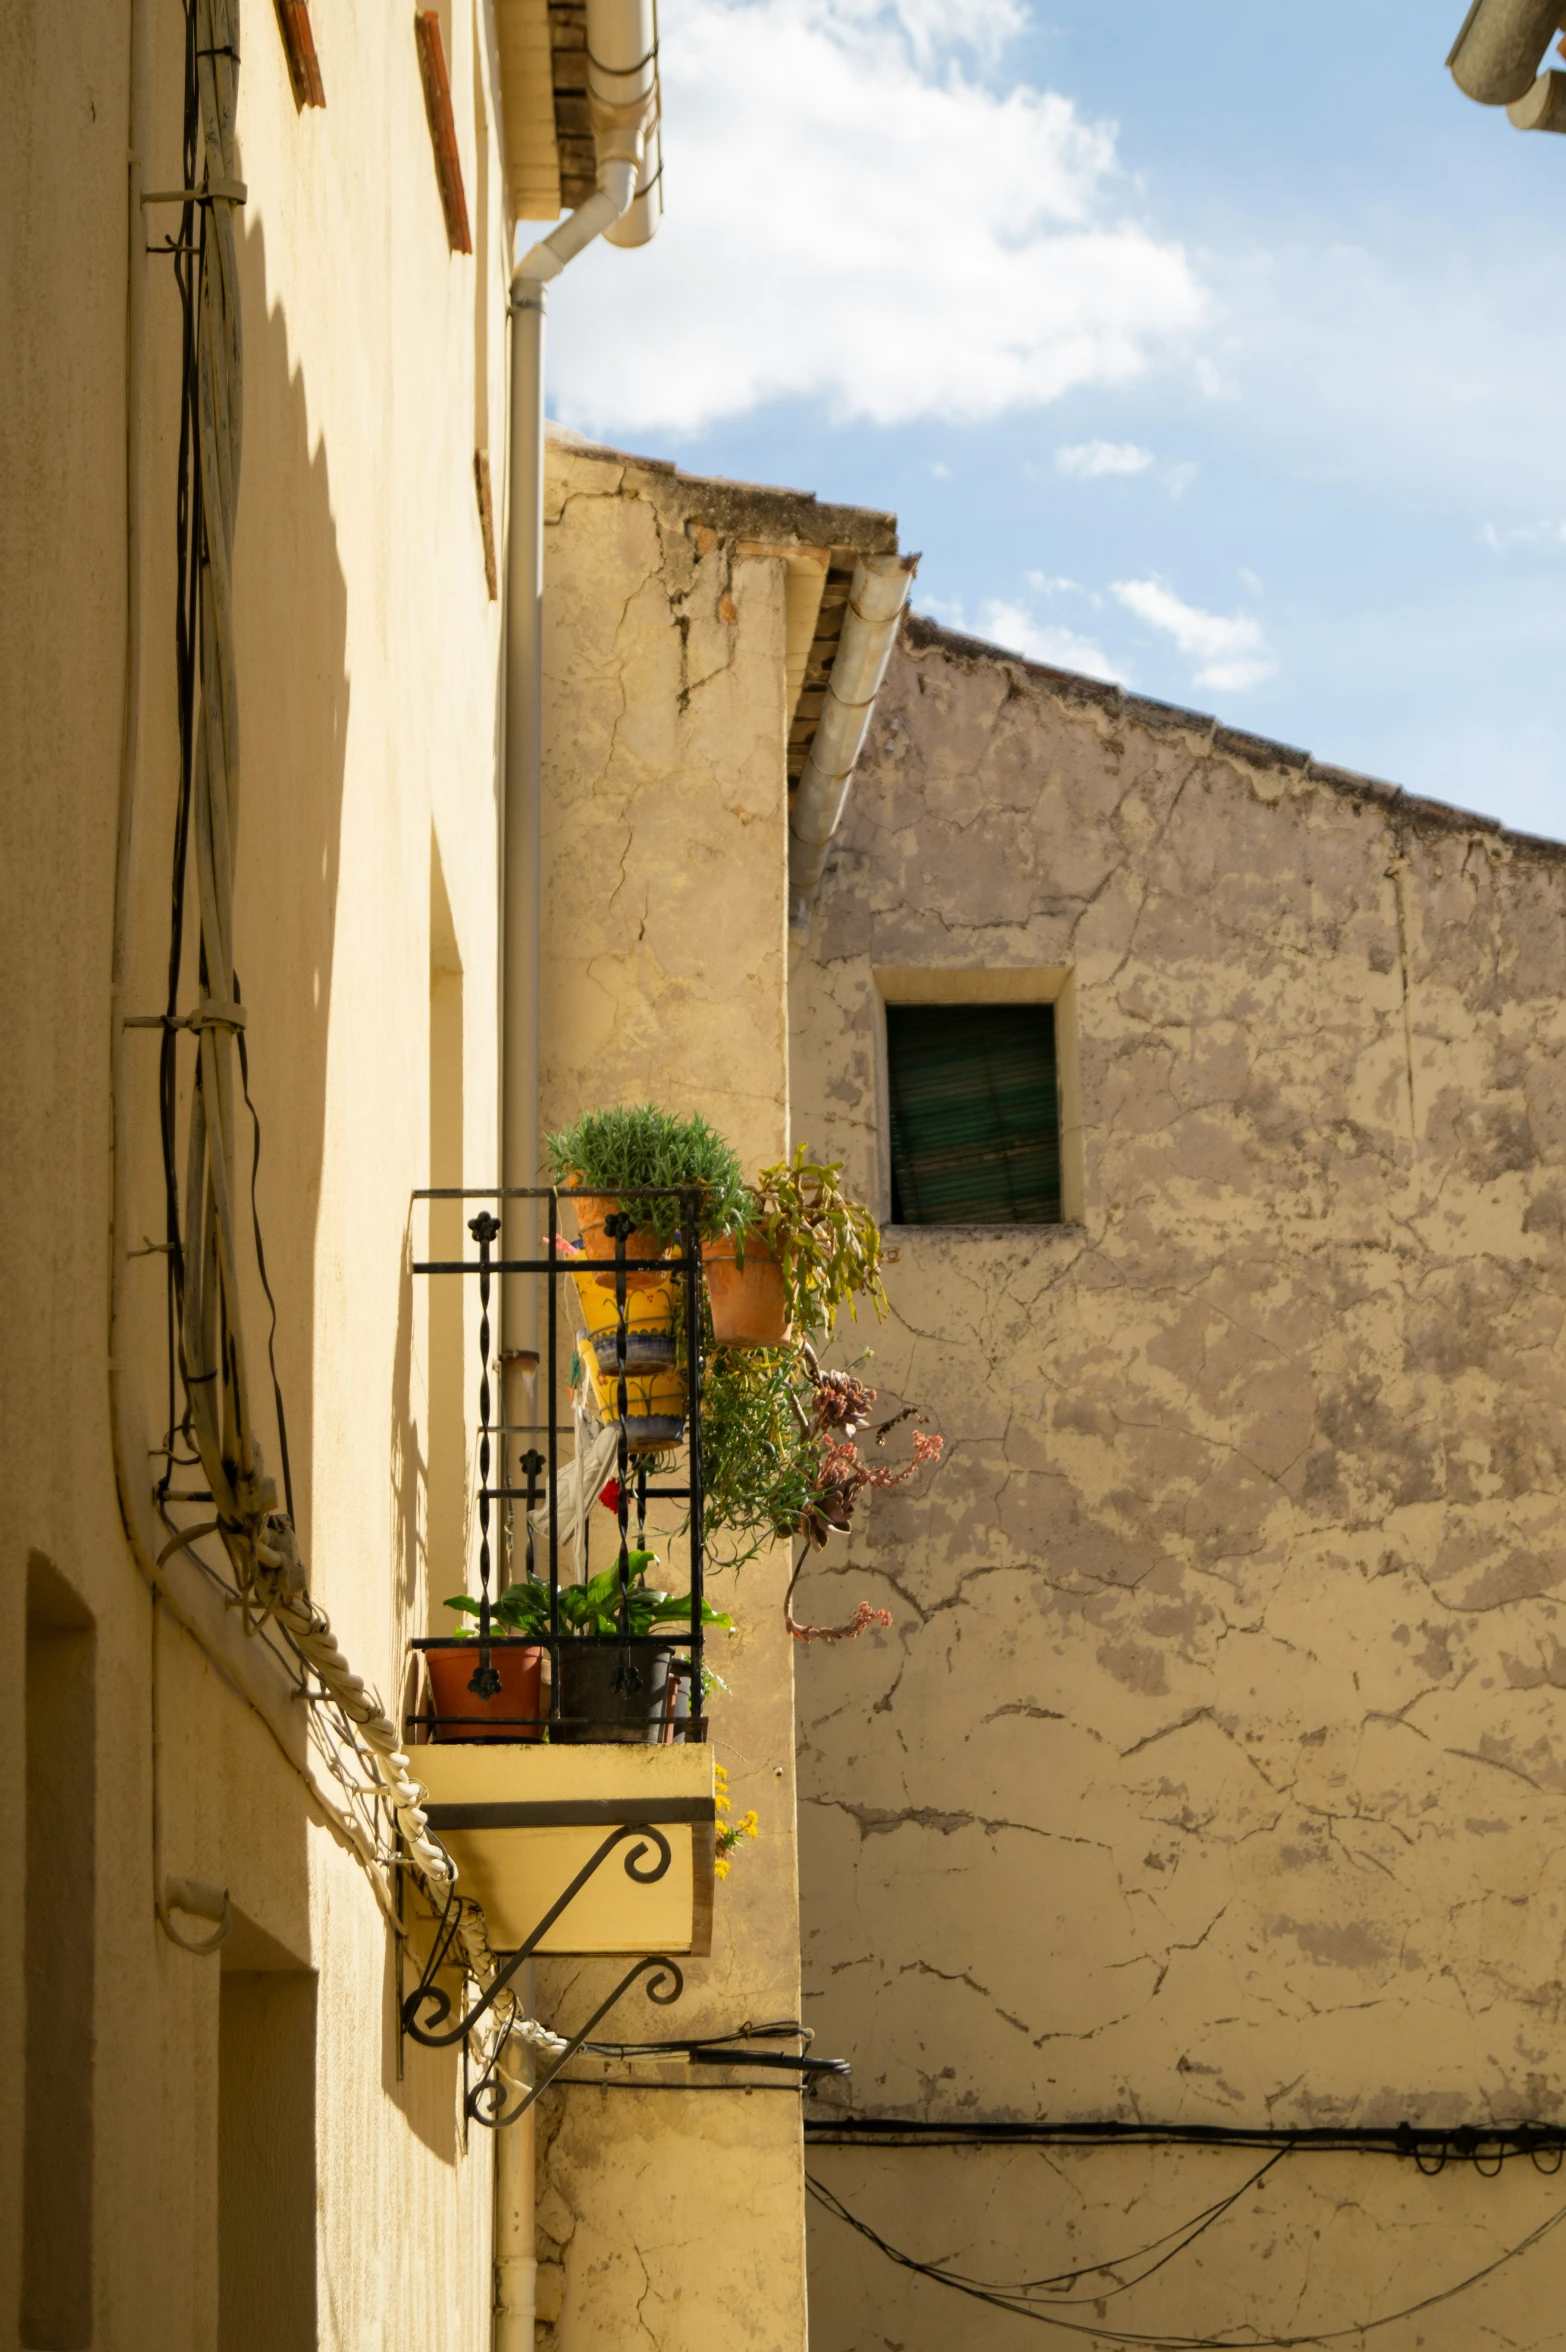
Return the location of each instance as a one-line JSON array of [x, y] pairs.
[[974, 1101]]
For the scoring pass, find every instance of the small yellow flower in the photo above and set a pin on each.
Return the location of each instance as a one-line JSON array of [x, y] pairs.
[[720, 1868], [750, 1824]]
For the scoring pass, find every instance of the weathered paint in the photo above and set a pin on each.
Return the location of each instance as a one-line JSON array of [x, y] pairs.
[[1211, 1770], [675, 2216]]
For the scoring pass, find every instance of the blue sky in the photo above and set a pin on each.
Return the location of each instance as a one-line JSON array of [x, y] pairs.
[[1219, 348]]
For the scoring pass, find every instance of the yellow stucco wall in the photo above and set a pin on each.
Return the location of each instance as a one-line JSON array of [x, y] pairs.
[[1211, 1770], [675, 2217], [367, 652]]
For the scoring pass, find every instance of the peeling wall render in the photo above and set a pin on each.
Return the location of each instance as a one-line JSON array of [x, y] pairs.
[[1212, 1769]]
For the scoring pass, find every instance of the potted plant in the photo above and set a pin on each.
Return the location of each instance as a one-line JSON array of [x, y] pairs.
[[611, 1690], [805, 1250], [780, 1457], [516, 1710], [759, 1452], [655, 1403], [631, 1153]]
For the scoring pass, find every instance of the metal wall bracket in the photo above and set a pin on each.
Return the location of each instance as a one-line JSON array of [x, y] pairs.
[[486, 2101], [428, 2007]]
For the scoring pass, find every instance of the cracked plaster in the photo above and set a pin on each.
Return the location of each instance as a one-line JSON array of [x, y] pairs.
[[668, 2218], [1212, 1768]]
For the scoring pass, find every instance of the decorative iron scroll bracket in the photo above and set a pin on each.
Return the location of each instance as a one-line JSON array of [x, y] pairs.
[[486, 2101], [427, 2007]]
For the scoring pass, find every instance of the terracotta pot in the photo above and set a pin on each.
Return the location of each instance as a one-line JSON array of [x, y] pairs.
[[461, 1715], [748, 1308], [591, 1217]]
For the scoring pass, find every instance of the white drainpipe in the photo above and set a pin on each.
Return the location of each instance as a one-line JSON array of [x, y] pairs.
[[622, 47], [875, 608], [516, 2266], [623, 92]]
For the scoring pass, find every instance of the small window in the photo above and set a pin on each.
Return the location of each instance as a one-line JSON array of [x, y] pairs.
[[975, 1114]]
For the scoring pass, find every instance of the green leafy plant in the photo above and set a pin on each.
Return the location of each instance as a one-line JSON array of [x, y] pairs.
[[759, 1456], [827, 1245], [779, 1450], [636, 1147], [586, 1609]]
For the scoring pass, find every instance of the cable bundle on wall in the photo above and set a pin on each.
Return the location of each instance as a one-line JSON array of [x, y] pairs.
[[215, 1407], [214, 1364]]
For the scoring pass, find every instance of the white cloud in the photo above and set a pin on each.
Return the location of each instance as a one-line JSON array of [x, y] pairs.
[[1231, 653], [1009, 626], [1086, 461], [1051, 584], [941, 471], [858, 216], [1524, 535]]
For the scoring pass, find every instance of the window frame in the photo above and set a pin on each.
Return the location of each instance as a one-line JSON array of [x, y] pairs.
[[1044, 984]]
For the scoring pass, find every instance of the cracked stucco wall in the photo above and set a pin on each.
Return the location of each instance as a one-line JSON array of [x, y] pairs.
[[671, 2218], [1213, 1768]]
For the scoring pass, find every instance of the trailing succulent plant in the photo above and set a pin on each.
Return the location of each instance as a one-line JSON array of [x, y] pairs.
[[780, 1449]]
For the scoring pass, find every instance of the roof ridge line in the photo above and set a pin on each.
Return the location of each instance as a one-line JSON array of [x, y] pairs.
[[922, 632]]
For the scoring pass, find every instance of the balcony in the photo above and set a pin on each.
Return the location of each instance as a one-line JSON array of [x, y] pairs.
[[560, 1728], [598, 1655]]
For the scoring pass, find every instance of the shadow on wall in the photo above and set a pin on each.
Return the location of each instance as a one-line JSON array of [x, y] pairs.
[[291, 607], [291, 600]]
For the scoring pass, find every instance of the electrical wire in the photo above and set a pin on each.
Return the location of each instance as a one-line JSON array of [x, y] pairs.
[[1432, 2148], [284, 1462], [728, 2049], [1233, 2339], [1166, 2249], [610, 2082], [209, 1409], [782, 2029]]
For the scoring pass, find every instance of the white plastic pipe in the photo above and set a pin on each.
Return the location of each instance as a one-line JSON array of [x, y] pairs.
[[516, 2267], [875, 608], [623, 91], [622, 100], [622, 48], [1496, 55], [522, 819]]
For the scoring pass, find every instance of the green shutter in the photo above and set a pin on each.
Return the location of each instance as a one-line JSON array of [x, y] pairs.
[[975, 1114]]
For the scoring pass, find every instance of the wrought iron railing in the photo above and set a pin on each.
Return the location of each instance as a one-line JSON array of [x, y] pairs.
[[621, 1684]]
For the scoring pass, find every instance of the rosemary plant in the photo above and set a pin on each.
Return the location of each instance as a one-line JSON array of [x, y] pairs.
[[632, 1148]]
